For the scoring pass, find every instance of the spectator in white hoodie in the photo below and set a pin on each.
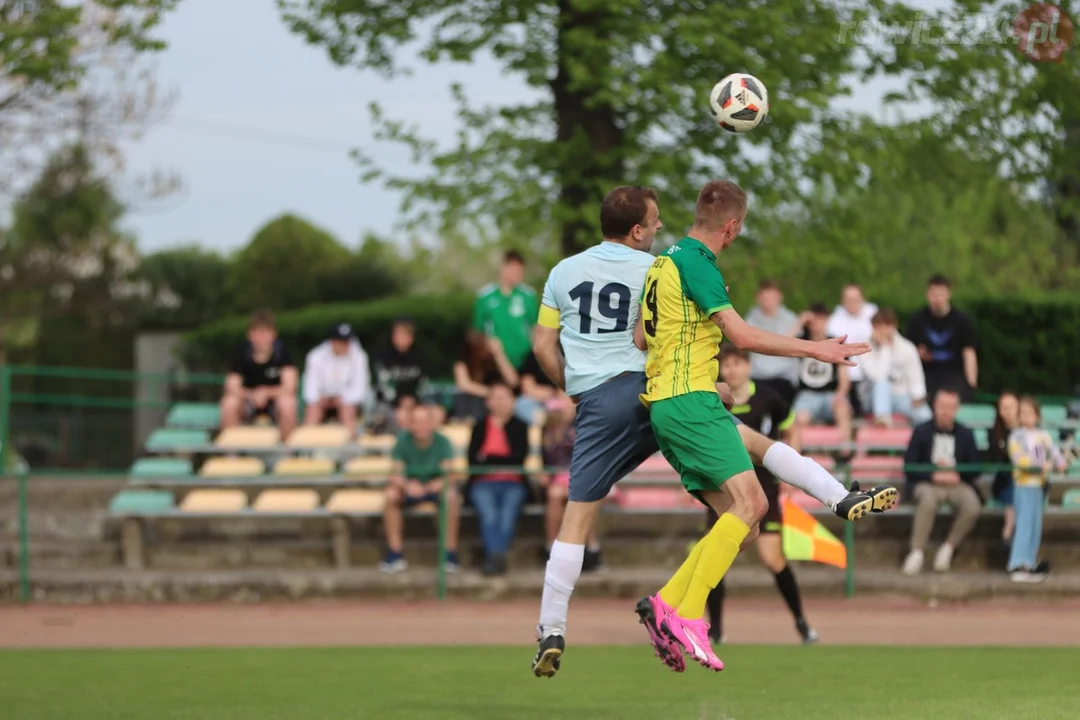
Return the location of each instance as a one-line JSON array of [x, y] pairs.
[[895, 373], [336, 379]]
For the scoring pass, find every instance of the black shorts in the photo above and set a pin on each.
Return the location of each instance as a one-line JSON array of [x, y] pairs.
[[784, 387], [269, 410], [411, 502], [773, 522]]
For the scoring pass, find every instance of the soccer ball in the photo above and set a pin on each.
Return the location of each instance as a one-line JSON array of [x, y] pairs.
[[739, 102]]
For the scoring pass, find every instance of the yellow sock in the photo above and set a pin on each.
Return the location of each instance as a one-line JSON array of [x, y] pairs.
[[675, 590], [719, 550]]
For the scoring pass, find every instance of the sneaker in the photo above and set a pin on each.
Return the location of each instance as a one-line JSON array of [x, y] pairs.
[[693, 636], [394, 562], [913, 563], [943, 559], [549, 654], [1042, 568], [450, 562], [651, 613], [1026, 576], [807, 633]]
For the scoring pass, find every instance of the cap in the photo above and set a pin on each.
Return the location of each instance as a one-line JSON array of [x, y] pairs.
[[341, 331]]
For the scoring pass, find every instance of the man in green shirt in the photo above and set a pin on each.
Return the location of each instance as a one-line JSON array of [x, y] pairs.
[[508, 309], [422, 464]]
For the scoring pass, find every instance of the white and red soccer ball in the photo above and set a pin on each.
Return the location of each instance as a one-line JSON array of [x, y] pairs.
[[739, 102]]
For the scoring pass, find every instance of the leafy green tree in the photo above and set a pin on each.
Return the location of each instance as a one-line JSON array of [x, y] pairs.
[[188, 286], [64, 253], [622, 96], [1007, 89], [920, 206], [75, 69], [283, 266]]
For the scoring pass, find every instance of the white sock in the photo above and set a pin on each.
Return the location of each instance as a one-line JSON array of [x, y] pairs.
[[802, 472], [563, 570]]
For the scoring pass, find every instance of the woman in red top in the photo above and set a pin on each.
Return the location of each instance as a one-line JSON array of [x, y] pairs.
[[502, 441]]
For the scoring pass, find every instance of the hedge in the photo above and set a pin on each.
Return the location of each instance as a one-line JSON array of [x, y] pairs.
[[1027, 344]]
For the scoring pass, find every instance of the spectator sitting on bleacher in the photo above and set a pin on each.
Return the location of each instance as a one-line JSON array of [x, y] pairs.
[[262, 381], [399, 376], [422, 466], [1006, 420], [770, 313], [482, 364], [895, 373], [557, 448], [823, 387], [501, 440], [336, 379], [945, 443]]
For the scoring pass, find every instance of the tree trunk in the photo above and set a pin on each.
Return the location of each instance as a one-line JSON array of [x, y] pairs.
[[583, 172]]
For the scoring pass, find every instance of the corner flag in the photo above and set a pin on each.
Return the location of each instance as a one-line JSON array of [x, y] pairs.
[[805, 538]]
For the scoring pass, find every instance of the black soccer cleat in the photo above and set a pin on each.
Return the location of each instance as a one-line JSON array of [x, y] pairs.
[[860, 503], [548, 655], [885, 497], [809, 637]]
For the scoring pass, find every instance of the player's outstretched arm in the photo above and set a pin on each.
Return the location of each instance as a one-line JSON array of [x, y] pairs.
[[548, 355], [764, 342]]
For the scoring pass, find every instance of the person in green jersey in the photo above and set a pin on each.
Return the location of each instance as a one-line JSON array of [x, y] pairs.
[[507, 310]]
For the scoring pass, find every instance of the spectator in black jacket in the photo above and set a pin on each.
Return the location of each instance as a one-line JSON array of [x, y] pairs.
[[500, 440], [398, 375], [945, 443]]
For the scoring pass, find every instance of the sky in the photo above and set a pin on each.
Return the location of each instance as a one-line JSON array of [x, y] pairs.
[[263, 124]]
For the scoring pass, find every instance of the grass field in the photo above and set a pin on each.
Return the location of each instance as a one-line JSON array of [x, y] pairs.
[[596, 683]]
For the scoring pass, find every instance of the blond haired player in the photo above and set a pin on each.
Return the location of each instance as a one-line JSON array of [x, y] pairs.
[[685, 313]]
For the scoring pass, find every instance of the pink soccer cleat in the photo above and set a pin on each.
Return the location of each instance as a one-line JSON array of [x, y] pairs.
[[651, 613], [693, 636]]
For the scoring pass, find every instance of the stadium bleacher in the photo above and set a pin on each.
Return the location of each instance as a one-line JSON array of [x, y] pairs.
[[192, 470]]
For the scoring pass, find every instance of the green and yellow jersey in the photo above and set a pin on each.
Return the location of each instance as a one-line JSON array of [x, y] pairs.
[[683, 289]]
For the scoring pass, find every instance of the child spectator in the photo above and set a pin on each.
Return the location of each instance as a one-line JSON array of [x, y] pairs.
[[558, 447], [1008, 407], [895, 373], [823, 387], [500, 440], [1033, 454]]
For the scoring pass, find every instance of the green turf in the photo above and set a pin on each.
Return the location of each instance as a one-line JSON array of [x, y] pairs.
[[470, 683]]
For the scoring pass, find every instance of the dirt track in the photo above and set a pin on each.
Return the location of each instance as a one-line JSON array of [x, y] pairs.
[[899, 622]]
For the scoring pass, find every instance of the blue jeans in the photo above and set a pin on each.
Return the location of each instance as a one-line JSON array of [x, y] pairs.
[[525, 409], [497, 505], [1027, 536], [885, 404]]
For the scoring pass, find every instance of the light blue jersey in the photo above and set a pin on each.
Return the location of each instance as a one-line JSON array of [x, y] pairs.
[[597, 294]]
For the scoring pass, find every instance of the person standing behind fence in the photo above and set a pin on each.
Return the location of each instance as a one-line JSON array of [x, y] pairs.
[[1033, 454]]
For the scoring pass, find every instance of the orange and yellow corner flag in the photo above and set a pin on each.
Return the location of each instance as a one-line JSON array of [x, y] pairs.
[[806, 539]]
